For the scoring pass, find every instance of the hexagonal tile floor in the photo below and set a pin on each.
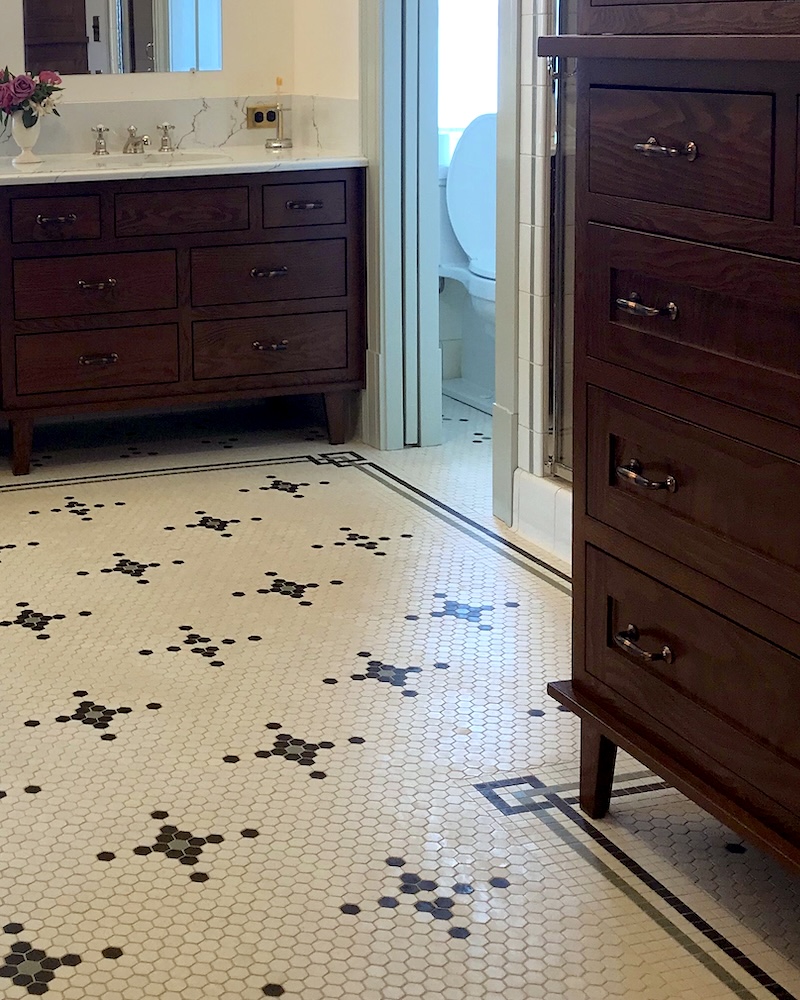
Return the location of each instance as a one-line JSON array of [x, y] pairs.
[[274, 723]]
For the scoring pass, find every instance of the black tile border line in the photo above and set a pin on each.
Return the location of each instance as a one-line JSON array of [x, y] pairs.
[[472, 524], [555, 801]]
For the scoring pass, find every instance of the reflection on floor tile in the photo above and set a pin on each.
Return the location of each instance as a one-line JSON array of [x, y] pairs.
[[274, 723]]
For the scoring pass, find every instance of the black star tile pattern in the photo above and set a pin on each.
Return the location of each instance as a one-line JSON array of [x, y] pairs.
[[36, 621], [286, 588], [218, 524], [32, 968], [282, 486], [201, 645], [180, 845], [413, 887], [387, 673], [292, 748], [130, 567], [91, 713]]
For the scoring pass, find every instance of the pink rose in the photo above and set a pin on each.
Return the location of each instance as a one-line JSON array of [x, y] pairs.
[[6, 96], [21, 88], [49, 77]]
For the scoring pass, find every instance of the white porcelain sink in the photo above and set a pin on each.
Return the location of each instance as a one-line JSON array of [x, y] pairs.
[[151, 160], [156, 159]]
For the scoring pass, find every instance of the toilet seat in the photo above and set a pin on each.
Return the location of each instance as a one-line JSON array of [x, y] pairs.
[[472, 194]]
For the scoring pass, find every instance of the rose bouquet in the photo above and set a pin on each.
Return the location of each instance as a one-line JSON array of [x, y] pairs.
[[32, 95]]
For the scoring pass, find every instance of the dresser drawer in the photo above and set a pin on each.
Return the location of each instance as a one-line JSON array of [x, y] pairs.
[[49, 220], [736, 331], [726, 508], [271, 345], [159, 213], [729, 694], [306, 204], [732, 134], [311, 269], [102, 283], [96, 359]]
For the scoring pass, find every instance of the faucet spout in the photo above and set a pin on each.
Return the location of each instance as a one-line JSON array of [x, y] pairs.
[[135, 143]]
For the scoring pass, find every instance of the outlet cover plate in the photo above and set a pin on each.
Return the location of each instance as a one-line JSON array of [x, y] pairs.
[[262, 116]]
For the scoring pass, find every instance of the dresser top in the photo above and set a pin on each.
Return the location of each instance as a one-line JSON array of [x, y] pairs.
[[199, 163], [733, 48]]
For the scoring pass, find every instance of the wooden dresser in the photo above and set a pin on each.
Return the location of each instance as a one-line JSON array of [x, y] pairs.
[[169, 291], [687, 417]]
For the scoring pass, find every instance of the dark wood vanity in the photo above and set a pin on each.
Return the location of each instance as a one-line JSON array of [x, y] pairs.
[[120, 293], [687, 409]]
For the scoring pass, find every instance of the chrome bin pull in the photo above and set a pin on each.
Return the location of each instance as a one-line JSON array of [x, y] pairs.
[[628, 639], [632, 473], [653, 148]]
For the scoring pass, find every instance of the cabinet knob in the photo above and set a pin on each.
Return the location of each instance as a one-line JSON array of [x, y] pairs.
[[304, 206], [56, 220], [634, 305]]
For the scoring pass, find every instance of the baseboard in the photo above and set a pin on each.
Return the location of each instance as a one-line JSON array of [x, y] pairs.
[[543, 514]]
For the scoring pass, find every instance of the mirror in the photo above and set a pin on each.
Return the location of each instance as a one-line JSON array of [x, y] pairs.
[[123, 36]]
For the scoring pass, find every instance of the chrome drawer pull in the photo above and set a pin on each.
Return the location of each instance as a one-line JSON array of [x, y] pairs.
[[282, 346], [56, 220], [632, 473], [633, 305], [262, 272], [627, 640], [97, 286], [653, 148], [98, 359], [304, 206]]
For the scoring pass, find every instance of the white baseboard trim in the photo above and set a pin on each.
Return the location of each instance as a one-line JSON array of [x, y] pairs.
[[543, 513]]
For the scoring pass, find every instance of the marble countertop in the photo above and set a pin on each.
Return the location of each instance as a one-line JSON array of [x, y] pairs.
[[198, 162]]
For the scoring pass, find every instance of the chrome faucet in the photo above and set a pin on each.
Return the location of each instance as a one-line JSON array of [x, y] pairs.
[[166, 139], [135, 143], [100, 147]]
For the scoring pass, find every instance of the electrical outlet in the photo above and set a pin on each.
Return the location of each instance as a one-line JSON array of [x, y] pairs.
[[262, 116]]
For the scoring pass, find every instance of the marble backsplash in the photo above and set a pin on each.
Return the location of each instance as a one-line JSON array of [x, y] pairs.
[[329, 124]]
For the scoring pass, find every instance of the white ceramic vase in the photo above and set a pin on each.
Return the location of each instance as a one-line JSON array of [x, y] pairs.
[[25, 138]]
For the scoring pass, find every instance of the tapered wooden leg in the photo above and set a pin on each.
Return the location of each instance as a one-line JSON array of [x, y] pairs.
[[21, 444], [341, 411], [598, 757]]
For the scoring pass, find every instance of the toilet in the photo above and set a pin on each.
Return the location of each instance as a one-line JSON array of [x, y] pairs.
[[468, 255]]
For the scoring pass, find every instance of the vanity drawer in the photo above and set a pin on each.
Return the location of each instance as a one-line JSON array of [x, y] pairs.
[[48, 220], [160, 213], [713, 695], [737, 327], [271, 345], [307, 204], [724, 507], [311, 269], [733, 134], [96, 359], [102, 283]]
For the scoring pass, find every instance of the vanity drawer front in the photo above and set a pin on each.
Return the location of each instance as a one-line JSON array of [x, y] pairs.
[[730, 693], [737, 328], [733, 133], [311, 269], [97, 359], [271, 345], [48, 220], [724, 507], [160, 213], [102, 283], [307, 204]]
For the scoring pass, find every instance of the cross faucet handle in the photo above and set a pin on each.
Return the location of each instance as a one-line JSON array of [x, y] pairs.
[[166, 138], [100, 148]]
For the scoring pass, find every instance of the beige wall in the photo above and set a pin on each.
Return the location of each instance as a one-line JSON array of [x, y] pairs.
[[326, 48], [312, 44]]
